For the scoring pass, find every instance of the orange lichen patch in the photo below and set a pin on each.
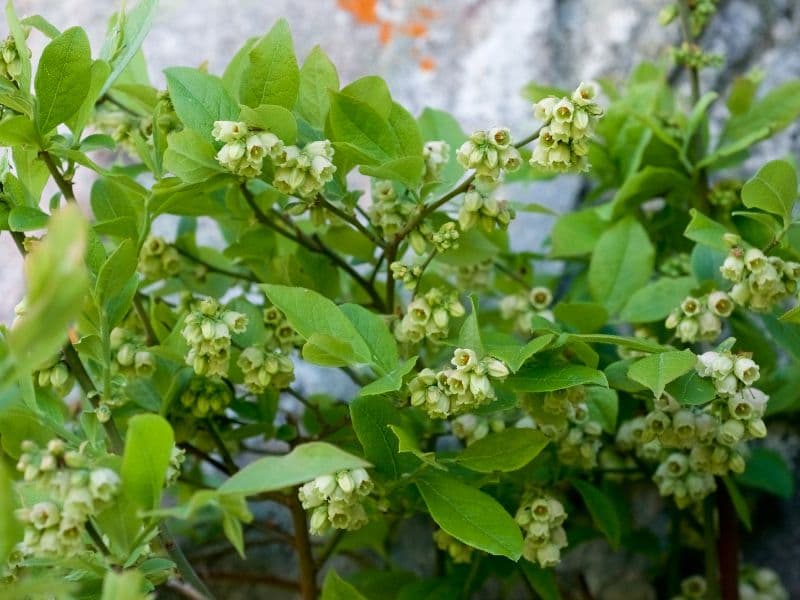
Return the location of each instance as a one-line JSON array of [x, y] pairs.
[[385, 33], [415, 29], [427, 63], [365, 11]]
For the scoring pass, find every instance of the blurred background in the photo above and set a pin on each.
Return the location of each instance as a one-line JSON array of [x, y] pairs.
[[473, 58]]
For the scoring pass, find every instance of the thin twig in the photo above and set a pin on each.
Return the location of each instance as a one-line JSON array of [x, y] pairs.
[[215, 269], [353, 220], [184, 589], [63, 185], [151, 339], [308, 569]]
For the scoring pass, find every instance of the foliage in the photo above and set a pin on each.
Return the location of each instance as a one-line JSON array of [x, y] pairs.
[[510, 409]]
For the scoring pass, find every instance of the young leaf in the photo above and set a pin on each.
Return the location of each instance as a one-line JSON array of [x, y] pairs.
[[691, 389], [148, 447], [375, 332], [199, 99], [603, 512], [21, 42], [773, 189], [470, 515], [62, 79], [128, 31], [191, 156], [656, 300], [272, 118], [621, 263], [656, 371], [302, 464], [271, 75], [547, 378], [318, 77], [392, 381], [336, 588], [576, 233], [470, 334], [505, 451], [311, 313]]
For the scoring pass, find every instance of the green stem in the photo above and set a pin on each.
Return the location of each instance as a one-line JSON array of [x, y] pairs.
[[353, 220], [181, 562], [151, 339], [63, 185], [688, 37]]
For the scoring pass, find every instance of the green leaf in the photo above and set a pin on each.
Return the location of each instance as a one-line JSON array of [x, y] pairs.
[[148, 447], [63, 78], [57, 283], [271, 117], [549, 378], [772, 189], [705, 231], [514, 354], [133, 28], [190, 156], [391, 382], [27, 218], [406, 442], [318, 77], [775, 111], [470, 516], [470, 334], [602, 510], [543, 581], [691, 389], [17, 131], [371, 418], [581, 316], [375, 332], [407, 170], [603, 406], [638, 344], [656, 300], [78, 121], [766, 470], [199, 99], [10, 526], [301, 465], [115, 274], [312, 313], [272, 75], [576, 233], [657, 370], [505, 451], [621, 263], [127, 585], [368, 137], [336, 588]]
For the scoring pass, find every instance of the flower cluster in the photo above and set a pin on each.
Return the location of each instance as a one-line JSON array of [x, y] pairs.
[[476, 276], [698, 319], [176, 458], [435, 153], [263, 369], [445, 238], [541, 518], [567, 125], [459, 552], [336, 500], [388, 213], [759, 281], [206, 397], [244, 151], [10, 63], [158, 260], [68, 494], [207, 329], [489, 153], [461, 389], [479, 208], [303, 172], [55, 374], [428, 317], [522, 308], [754, 584], [280, 335], [470, 428], [563, 415], [692, 444], [130, 354]]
